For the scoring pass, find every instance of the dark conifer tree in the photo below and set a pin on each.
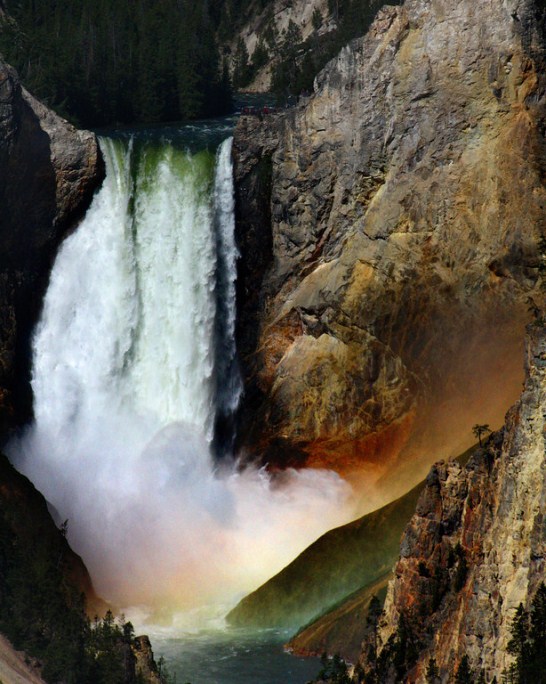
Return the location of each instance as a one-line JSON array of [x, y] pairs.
[[432, 674], [118, 61], [464, 673]]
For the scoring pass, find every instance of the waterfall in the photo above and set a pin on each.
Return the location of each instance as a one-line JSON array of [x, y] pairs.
[[134, 361], [229, 386], [129, 315]]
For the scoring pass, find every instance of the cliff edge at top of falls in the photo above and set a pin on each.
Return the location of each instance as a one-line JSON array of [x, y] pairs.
[[389, 227], [48, 173], [475, 547]]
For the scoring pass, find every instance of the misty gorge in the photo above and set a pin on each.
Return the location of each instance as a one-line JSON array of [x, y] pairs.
[[272, 382], [127, 387]]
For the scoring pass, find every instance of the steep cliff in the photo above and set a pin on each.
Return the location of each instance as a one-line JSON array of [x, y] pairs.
[[475, 547], [15, 668], [27, 523], [42, 612], [41, 578], [341, 630], [272, 21], [389, 227], [48, 172]]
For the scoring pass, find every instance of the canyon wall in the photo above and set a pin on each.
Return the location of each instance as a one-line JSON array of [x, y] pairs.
[[475, 547], [36, 542], [48, 173], [389, 228], [275, 17]]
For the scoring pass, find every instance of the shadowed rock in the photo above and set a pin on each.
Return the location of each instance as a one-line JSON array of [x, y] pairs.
[[48, 173]]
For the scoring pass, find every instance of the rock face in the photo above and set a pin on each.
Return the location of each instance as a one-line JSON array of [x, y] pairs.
[[48, 173], [15, 667], [341, 630], [145, 665], [276, 16], [475, 547], [389, 228]]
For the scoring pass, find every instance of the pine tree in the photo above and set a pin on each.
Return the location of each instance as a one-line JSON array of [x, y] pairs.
[[537, 634], [464, 673], [480, 430], [116, 61], [316, 19], [432, 674], [372, 674], [241, 66], [518, 646]]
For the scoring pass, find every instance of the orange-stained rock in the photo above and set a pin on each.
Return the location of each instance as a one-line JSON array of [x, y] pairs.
[[389, 229], [475, 548]]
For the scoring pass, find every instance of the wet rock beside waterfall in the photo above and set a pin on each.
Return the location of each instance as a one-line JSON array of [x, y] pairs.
[[48, 173]]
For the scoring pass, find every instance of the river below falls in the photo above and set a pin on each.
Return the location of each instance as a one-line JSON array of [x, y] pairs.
[[233, 657]]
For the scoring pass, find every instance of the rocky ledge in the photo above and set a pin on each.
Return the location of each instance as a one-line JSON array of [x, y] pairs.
[[389, 229], [48, 173]]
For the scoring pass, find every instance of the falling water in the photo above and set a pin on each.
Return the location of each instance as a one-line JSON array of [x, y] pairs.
[[229, 386], [134, 361]]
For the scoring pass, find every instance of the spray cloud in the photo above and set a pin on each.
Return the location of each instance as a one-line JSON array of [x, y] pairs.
[[126, 393]]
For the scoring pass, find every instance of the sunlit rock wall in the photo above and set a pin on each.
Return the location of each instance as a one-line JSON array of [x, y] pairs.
[[389, 227], [475, 548]]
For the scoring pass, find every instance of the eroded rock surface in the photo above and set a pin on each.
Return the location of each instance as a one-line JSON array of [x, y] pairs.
[[389, 227], [145, 665], [276, 16], [475, 547], [48, 173]]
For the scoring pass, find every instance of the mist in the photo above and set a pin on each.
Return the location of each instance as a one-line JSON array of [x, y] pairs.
[[128, 376], [158, 528]]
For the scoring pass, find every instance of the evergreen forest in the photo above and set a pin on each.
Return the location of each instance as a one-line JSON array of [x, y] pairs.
[[111, 62], [102, 62], [296, 62]]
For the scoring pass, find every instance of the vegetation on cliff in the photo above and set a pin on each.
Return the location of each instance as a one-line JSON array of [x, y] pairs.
[[341, 629], [344, 560], [100, 63], [396, 659], [294, 61], [528, 641], [468, 587]]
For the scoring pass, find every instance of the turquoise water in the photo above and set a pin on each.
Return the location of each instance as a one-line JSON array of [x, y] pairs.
[[233, 657], [195, 136]]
